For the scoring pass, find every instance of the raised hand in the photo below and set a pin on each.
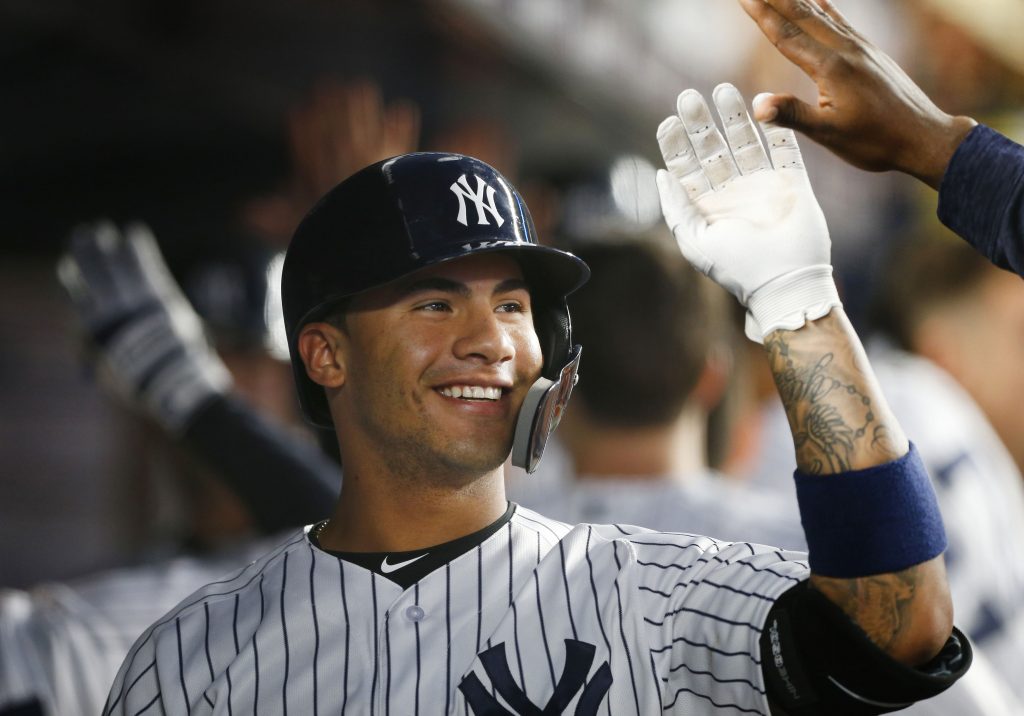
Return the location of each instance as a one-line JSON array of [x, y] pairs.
[[148, 341], [744, 217], [340, 130], [868, 111], [344, 128]]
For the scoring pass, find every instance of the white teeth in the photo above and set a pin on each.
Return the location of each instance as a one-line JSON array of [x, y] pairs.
[[474, 392]]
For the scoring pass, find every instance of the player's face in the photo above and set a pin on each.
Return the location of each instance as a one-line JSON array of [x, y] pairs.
[[439, 364]]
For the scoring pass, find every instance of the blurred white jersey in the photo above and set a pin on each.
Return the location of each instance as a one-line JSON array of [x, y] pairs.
[[62, 643], [705, 503], [981, 495]]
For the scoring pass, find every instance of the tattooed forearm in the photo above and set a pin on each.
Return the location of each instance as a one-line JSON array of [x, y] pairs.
[[837, 414], [840, 421]]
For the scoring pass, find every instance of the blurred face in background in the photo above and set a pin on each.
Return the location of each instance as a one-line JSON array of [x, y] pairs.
[[979, 339]]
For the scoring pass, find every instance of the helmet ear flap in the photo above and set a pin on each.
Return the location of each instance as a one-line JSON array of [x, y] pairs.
[[554, 331], [546, 400]]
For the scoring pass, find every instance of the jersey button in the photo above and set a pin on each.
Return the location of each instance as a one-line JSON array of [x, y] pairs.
[[415, 613]]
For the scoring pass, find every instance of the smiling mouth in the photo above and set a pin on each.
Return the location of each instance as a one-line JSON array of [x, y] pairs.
[[471, 392]]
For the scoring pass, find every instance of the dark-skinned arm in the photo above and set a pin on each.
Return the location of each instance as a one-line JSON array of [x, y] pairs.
[[841, 422], [868, 111], [871, 114]]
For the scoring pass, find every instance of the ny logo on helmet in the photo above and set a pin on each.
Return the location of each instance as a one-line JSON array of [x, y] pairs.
[[483, 198]]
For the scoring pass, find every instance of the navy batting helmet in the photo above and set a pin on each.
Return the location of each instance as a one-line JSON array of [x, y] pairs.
[[416, 210]]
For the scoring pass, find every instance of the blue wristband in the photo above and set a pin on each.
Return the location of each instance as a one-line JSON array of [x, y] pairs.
[[872, 521]]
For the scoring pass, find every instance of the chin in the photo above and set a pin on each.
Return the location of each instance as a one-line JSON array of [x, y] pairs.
[[476, 457]]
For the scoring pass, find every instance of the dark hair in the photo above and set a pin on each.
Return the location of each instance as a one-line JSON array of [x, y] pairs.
[[919, 274], [643, 321]]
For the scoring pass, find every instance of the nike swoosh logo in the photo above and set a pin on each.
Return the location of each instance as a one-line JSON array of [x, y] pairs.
[[388, 568]]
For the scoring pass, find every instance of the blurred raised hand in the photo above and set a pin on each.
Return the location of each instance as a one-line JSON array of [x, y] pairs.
[[147, 342], [344, 128], [338, 131]]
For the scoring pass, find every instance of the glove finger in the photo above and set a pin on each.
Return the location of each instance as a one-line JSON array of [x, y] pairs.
[[85, 271], [153, 269], [124, 266], [782, 146], [86, 248], [156, 284], [712, 153], [680, 158], [71, 279], [744, 141], [684, 219]]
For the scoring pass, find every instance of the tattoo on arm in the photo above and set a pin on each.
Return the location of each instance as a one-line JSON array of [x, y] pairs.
[[841, 421], [838, 417]]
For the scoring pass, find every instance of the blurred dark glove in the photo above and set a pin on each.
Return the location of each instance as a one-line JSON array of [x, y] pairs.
[[149, 343]]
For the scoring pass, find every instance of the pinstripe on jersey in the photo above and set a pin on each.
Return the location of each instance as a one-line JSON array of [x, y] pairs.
[[537, 609]]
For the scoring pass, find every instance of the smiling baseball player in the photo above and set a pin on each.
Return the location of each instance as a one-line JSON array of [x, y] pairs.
[[428, 326]]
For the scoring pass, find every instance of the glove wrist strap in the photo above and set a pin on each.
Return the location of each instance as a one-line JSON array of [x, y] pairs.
[[182, 387], [791, 300]]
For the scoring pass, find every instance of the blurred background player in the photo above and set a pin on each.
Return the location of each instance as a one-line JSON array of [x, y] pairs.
[[941, 302], [61, 643], [207, 430], [949, 349]]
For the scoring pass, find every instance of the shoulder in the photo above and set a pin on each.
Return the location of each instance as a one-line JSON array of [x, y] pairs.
[[643, 547], [526, 521]]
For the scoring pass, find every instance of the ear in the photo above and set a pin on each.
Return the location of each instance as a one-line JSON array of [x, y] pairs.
[[320, 345]]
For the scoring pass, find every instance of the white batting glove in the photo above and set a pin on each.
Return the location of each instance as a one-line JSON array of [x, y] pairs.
[[149, 341], [749, 222]]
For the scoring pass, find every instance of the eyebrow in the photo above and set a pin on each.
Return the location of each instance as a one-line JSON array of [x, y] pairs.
[[444, 285]]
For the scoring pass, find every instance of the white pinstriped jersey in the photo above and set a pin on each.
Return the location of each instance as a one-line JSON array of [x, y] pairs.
[[540, 615]]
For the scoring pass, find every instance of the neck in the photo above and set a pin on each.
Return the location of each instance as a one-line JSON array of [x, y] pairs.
[[380, 513], [649, 453]]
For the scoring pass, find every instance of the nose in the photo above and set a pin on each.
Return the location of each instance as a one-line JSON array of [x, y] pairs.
[[484, 337]]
